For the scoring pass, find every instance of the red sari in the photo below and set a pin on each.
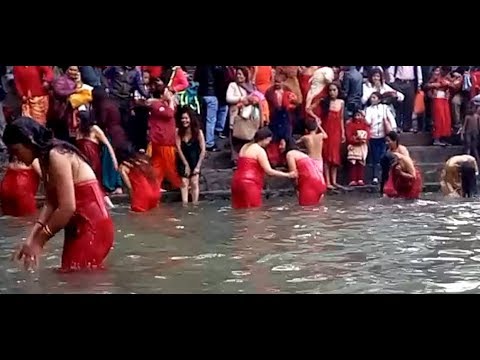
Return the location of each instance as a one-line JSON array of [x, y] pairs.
[[89, 234], [92, 151], [311, 183], [247, 184], [145, 194], [441, 113], [332, 145], [17, 192], [398, 186]]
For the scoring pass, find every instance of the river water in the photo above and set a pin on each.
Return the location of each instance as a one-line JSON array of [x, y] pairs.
[[350, 244]]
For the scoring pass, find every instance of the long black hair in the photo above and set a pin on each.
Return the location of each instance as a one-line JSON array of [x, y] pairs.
[[469, 180], [30, 133], [87, 120]]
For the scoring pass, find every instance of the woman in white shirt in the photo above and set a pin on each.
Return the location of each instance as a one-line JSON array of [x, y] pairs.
[[376, 83], [381, 120]]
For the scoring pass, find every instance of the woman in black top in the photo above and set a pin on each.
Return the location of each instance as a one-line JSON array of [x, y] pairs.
[[191, 149]]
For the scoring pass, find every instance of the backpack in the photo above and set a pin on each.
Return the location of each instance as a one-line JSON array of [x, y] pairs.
[[189, 97]]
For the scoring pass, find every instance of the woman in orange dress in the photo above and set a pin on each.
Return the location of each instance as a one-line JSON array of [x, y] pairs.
[[262, 78], [439, 87], [329, 112], [162, 130], [32, 84]]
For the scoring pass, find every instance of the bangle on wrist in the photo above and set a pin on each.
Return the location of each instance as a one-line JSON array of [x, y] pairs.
[[40, 223], [47, 231]]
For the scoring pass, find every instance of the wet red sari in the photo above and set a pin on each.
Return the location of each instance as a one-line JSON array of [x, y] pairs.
[[398, 186], [332, 145], [92, 151], [17, 192], [145, 194], [247, 184], [89, 234], [311, 183]]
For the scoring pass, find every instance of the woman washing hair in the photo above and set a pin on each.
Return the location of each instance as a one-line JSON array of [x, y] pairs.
[[139, 177], [74, 200], [458, 177], [247, 181], [89, 138], [191, 149]]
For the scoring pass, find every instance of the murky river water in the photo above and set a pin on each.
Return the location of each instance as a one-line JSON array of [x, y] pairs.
[[348, 245]]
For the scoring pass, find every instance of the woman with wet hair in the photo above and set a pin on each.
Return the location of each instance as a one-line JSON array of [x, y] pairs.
[[247, 181], [139, 177], [458, 178], [74, 200], [310, 182]]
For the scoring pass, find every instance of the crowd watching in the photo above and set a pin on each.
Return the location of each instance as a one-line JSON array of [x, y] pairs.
[[167, 119]]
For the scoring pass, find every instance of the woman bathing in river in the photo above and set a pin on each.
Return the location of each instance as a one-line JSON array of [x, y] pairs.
[[74, 200], [310, 182], [139, 177], [191, 149], [247, 181], [458, 178]]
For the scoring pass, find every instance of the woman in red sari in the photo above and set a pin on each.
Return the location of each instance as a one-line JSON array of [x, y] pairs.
[[404, 179], [247, 181], [439, 87], [139, 177], [74, 200], [19, 187], [330, 112], [89, 140], [32, 83]]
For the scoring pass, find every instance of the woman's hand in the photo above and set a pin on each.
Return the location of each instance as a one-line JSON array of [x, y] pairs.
[[196, 171], [343, 138], [29, 252], [187, 170], [292, 174]]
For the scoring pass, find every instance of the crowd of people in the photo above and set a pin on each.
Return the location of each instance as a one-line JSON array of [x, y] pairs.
[[149, 128]]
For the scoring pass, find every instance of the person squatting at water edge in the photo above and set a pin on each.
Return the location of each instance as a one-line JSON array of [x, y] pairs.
[[247, 181], [458, 178], [404, 179], [74, 200], [19, 187], [311, 184], [139, 177]]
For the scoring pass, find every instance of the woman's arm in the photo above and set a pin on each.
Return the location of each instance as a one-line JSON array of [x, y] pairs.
[[388, 88], [232, 97], [203, 151], [180, 80], [323, 132], [36, 167], [100, 135], [342, 123], [60, 171], [178, 143], [265, 164], [124, 170]]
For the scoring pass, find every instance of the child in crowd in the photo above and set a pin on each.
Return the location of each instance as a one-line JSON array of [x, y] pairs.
[[357, 133]]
